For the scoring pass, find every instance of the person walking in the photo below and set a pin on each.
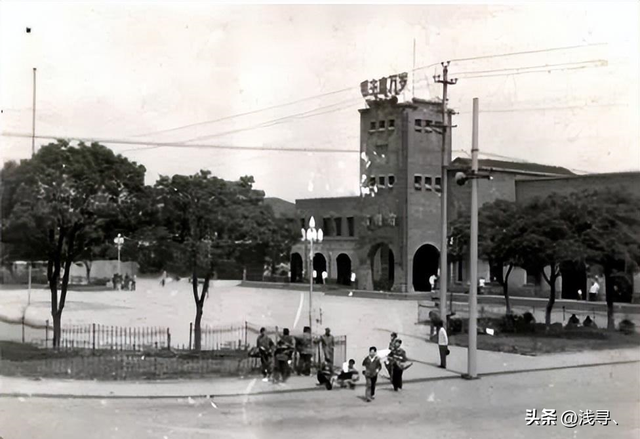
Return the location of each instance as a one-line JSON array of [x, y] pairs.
[[283, 355], [443, 345], [328, 343], [304, 348], [163, 281], [397, 358], [372, 367], [265, 346], [387, 361], [594, 290]]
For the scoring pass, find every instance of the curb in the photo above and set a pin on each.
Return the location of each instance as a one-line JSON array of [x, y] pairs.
[[454, 375]]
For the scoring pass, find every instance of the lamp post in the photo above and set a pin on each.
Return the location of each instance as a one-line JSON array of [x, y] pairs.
[[311, 235], [119, 241]]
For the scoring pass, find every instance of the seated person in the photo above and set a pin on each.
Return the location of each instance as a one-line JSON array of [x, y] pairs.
[[573, 321], [325, 375], [589, 323], [349, 375]]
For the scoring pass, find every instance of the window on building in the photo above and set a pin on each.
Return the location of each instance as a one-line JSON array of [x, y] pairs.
[[327, 227], [372, 181], [377, 219], [382, 181], [392, 124], [303, 224], [381, 153], [391, 180], [392, 219], [372, 126], [460, 270], [382, 125], [338, 226], [418, 125], [532, 278], [428, 123], [417, 182], [438, 184], [351, 226], [428, 182], [367, 220]]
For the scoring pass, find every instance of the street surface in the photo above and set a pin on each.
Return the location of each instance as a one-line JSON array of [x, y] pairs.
[[492, 407]]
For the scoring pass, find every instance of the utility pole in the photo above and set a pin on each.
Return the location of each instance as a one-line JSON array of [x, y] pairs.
[[473, 290], [33, 152], [445, 81]]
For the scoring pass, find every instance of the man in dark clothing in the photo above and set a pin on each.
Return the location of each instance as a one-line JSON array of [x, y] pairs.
[[284, 353], [265, 345], [397, 358], [304, 347], [372, 367]]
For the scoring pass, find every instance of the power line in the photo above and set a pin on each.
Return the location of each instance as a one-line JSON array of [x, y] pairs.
[[599, 62], [180, 145], [527, 52], [535, 71]]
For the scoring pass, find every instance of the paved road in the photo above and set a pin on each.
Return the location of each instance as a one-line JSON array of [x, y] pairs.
[[487, 408]]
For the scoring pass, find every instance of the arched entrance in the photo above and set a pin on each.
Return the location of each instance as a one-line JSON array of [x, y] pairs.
[[382, 263], [344, 269], [296, 267], [574, 278], [425, 265], [319, 266]]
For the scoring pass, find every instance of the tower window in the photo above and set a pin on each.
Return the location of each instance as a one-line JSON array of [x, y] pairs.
[[372, 181], [326, 225], [391, 180], [382, 181], [338, 222], [351, 226], [438, 185], [392, 124], [382, 125], [381, 151], [303, 223], [417, 182], [428, 182], [372, 126], [418, 125]]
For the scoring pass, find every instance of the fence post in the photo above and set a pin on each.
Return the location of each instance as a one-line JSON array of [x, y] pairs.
[[93, 336], [23, 328], [563, 316], [190, 333], [46, 333], [246, 329], [168, 339]]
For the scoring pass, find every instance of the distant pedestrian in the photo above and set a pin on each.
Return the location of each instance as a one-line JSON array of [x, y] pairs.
[[443, 345], [579, 294], [328, 343], [265, 346], [163, 281], [432, 282], [594, 290], [398, 359], [133, 282], [127, 282], [372, 367], [325, 375], [349, 375], [387, 361], [304, 348]]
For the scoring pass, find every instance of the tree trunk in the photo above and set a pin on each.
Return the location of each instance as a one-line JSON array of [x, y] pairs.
[[87, 266], [197, 330], [505, 289], [611, 323], [551, 280], [57, 329]]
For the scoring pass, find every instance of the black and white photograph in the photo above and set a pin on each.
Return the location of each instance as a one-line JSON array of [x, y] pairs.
[[319, 220]]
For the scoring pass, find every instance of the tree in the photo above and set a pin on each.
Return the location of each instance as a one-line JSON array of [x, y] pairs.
[[610, 232], [57, 203], [210, 220], [498, 226]]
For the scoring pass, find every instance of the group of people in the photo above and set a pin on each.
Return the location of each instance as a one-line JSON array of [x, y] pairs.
[[129, 282], [277, 358]]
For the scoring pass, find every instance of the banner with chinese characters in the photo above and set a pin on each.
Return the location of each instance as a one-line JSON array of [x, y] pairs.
[[384, 87]]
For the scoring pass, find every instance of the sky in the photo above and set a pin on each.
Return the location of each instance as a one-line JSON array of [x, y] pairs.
[[288, 76]]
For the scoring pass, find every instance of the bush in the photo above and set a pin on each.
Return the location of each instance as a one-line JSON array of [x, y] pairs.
[[627, 327], [455, 325]]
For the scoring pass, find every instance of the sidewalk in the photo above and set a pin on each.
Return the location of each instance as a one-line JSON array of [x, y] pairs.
[[489, 363]]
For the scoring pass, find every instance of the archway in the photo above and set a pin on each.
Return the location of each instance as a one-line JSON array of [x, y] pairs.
[[319, 266], [425, 265], [344, 269], [574, 278], [296, 267], [382, 267]]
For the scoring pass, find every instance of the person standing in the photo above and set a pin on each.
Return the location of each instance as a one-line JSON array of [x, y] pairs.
[[163, 281], [594, 290], [133, 282], [284, 353], [443, 345], [304, 347], [265, 346], [328, 343], [397, 358], [387, 362], [372, 367]]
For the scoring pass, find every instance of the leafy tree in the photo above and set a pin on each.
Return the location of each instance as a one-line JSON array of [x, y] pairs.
[[610, 232], [57, 203], [208, 221]]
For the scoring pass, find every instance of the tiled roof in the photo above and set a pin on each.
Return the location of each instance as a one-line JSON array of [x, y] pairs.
[[513, 166]]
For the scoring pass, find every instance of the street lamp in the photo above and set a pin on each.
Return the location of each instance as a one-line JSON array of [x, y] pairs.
[[311, 235], [119, 241]]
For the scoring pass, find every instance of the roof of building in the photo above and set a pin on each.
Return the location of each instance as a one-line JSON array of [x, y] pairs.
[[530, 168], [281, 208]]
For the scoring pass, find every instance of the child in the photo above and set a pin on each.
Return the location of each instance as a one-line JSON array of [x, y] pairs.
[[349, 375]]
